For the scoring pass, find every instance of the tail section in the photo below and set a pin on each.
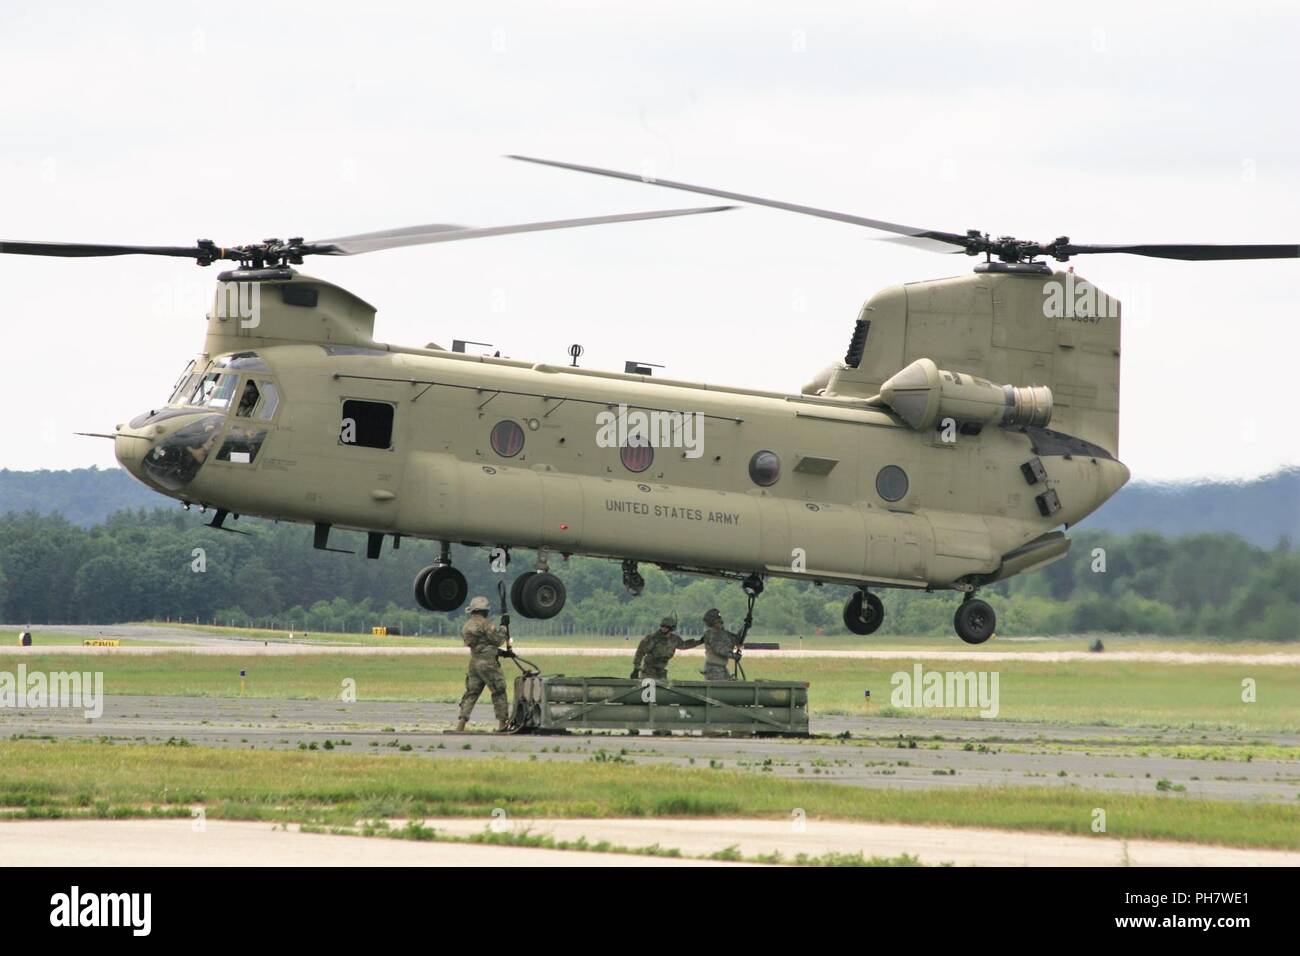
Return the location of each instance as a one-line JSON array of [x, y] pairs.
[[1017, 328]]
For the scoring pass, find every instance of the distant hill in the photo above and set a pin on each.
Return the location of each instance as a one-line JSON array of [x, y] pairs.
[[85, 496], [1261, 511]]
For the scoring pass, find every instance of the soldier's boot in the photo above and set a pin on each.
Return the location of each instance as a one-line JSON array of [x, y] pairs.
[[460, 725], [501, 726]]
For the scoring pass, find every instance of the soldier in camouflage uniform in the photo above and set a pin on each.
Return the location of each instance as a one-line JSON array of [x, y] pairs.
[[657, 649], [719, 647], [484, 640]]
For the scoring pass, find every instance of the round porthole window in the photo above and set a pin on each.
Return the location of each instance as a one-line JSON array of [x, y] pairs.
[[891, 483], [764, 468], [636, 457], [507, 439]]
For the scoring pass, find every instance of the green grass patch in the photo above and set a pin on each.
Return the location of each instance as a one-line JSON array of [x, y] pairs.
[[809, 641], [326, 788]]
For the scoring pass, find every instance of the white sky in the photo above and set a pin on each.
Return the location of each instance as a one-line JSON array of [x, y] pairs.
[[162, 123]]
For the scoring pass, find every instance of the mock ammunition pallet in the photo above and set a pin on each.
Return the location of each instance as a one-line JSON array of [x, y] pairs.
[[555, 703]]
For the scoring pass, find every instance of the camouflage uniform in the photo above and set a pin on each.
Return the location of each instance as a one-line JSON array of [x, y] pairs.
[[484, 639], [719, 648], [656, 650]]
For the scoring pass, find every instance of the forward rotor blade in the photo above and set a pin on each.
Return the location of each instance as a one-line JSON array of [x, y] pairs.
[[923, 243], [1198, 252], [421, 235], [87, 249], [948, 237]]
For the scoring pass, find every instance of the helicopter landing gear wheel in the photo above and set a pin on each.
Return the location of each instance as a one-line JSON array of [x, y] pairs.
[[632, 579], [863, 613], [974, 621], [517, 593], [420, 578], [541, 595], [445, 588]]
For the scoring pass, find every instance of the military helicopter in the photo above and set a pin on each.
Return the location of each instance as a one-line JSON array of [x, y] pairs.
[[969, 421]]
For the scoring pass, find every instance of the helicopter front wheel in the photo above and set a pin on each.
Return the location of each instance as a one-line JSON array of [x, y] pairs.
[[441, 588], [863, 613], [538, 594]]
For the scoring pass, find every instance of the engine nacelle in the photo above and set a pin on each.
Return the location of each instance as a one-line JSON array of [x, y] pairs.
[[924, 395]]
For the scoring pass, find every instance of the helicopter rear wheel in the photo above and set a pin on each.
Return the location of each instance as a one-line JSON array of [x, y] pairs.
[[445, 588], [863, 613]]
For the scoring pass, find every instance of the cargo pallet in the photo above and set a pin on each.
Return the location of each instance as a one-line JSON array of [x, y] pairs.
[[759, 708]]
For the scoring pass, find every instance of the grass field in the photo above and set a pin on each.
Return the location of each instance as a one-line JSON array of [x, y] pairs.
[[51, 780], [1122, 694]]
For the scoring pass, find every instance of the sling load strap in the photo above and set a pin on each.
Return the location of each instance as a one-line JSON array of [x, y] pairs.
[[744, 631]]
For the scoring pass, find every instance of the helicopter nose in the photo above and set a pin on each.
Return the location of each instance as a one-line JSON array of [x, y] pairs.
[[1114, 476], [130, 446]]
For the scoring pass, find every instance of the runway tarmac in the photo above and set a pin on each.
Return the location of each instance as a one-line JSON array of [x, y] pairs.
[[231, 843], [80, 843], [949, 753]]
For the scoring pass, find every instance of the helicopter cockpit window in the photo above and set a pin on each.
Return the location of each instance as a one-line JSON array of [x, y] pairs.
[[247, 399], [248, 361], [368, 424], [176, 458], [242, 445], [215, 390], [270, 401], [183, 385]]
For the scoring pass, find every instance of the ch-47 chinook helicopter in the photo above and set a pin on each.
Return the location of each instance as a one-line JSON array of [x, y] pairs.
[[968, 421]]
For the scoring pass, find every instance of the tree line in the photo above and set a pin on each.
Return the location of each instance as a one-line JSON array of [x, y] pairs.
[[157, 565]]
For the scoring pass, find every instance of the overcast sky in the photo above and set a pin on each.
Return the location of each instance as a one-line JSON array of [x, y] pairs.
[[163, 123]]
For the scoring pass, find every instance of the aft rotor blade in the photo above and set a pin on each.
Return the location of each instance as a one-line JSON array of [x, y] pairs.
[[1199, 252], [421, 235], [902, 230]]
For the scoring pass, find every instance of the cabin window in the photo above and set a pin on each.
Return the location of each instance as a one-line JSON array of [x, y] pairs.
[[636, 456], [891, 483], [507, 438], [764, 468], [368, 424]]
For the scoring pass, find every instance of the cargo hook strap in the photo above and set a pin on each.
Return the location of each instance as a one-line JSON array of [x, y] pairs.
[[744, 630]]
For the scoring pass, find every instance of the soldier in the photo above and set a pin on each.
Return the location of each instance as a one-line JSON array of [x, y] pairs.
[[657, 649], [484, 640], [719, 647]]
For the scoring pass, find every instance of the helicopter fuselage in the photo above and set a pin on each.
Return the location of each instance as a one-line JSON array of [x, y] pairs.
[[424, 442]]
